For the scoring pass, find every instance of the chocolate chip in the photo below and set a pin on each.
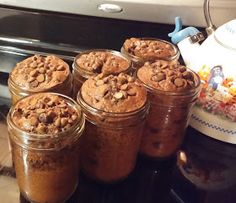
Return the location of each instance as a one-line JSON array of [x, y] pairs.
[[191, 83], [97, 67], [124, 87], [49, 72], [60, 68], [50, 116], [130, 79], [105, 80], [157, 51], [57, 122], [164, 64], [64, 121], [74, 117], [40, 65], [68, 125], [33, 64], [118, 95], [39, 111], [43, 117], [131, 92], [34, 83], [160, 77], [179, 82], [167, 46], [42, 70], [41, 128], [182, 69], [170, 73], [30, 79], [147, 63], [52, 67], [35, 57], [125, 95], [34, 121], [122, 79], [188, 75], [40, 78], [33, 73], [50, 103]]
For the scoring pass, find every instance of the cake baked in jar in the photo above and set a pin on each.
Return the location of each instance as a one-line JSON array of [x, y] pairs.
[[115, 108], [141, 50], [92, 62], [40, 74], [172, 91], [44, 133]]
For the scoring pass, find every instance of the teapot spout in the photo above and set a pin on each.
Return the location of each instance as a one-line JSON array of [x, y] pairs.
[[187, 41]]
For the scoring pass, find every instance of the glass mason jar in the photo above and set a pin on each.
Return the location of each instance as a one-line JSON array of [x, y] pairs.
[[112, 141], [23, 87], [139, 59], [45, 165], [167, 120], [80, 74]]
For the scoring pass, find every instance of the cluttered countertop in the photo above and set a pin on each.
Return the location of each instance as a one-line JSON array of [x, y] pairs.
[[200, 177]]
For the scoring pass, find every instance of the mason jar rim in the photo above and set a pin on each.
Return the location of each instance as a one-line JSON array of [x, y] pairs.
[[84, 104], [75, 66], [172, 93], [11, 84], [42, 137], [137, 58]]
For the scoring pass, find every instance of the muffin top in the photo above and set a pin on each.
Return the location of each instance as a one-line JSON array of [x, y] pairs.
[[103, 62], [44, 113], [38, 73], [167, 76], [149, 48], [115, 94]]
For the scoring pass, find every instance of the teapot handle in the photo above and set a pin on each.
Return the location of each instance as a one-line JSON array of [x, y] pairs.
[[210, 26]]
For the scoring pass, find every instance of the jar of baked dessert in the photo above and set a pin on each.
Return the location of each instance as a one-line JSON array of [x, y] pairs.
[[44, 131], [172, 91], [92, 62], [40, 74], [115, 108], [141, 50]]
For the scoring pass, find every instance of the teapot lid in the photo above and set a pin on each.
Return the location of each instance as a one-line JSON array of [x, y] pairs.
[[226, 34]]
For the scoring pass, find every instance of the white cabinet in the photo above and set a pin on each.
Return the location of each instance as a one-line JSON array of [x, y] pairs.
[[161, 11]]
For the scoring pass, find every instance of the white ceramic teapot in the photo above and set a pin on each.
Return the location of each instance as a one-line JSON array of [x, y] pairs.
[[215, 62]]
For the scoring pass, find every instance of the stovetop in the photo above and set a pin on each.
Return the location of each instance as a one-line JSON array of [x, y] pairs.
[[26, 32]]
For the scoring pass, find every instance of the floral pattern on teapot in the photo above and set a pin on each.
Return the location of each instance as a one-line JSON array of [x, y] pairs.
[[218, 92]]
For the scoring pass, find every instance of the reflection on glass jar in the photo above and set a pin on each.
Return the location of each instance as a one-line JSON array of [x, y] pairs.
[[40, 74], [141, 50], [207, 163], [114, 125], [44, 131]]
